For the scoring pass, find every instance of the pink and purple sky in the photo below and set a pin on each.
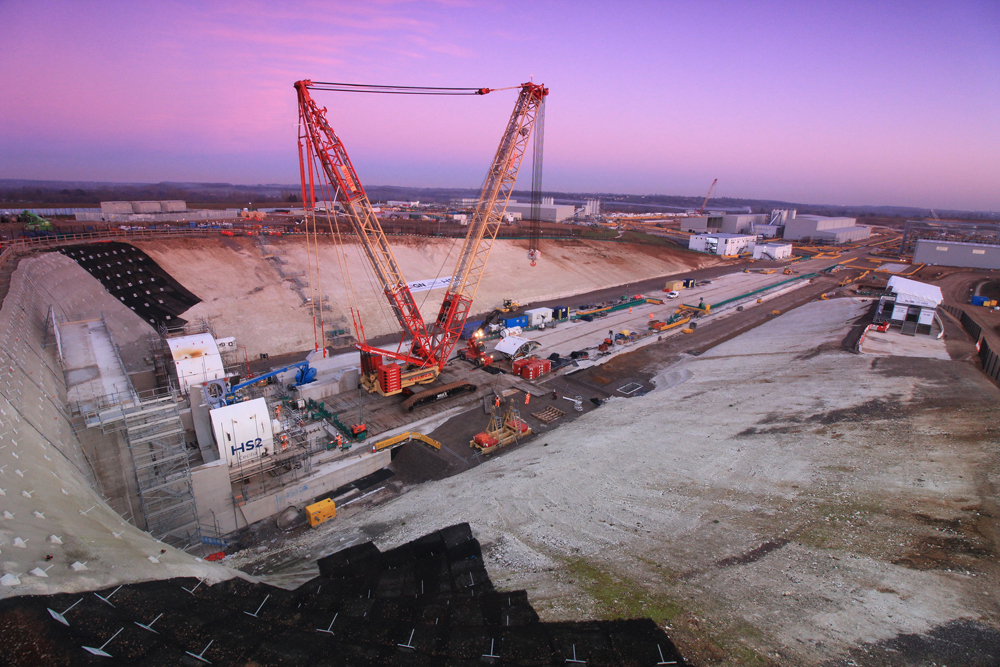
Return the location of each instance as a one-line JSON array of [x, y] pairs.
[[894, 103]]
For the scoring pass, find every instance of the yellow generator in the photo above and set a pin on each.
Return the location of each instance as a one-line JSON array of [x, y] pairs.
[[322, 511]]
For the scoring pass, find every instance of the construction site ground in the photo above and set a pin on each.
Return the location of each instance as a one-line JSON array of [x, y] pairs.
[[777, 500]]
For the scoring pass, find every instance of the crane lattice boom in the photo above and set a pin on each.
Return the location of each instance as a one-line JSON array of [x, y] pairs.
[[485, 223], [318, 139]]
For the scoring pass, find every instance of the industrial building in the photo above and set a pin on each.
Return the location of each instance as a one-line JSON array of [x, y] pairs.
[[957, 253], [549, 212], [725, 223], [772, 251], [722, 244], [824, 229], [125, 207], [912, 305]]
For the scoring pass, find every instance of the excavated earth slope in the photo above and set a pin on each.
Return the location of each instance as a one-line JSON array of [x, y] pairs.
[[245, 295]]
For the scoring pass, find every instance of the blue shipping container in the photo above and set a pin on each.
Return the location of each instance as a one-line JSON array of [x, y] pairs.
[[519, 321], [470, 328], [979, 300], [560, 312]]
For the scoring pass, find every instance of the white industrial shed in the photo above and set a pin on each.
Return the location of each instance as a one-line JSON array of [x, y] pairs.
[[772, 251], [722, 244], [825, 229], [196, 360], [915, 304]]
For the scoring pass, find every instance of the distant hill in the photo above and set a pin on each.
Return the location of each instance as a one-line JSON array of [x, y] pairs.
[[17, 192]]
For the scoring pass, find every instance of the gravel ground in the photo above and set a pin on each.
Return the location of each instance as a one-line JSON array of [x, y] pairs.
[[776, 501]]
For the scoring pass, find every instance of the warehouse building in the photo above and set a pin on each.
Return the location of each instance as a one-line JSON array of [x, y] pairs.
[[724, 223], [957, 253], [548, 212], [823, 229], [722, 244]]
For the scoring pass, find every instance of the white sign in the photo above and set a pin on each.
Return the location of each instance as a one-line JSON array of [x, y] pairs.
[[243, 431], [425, 285]]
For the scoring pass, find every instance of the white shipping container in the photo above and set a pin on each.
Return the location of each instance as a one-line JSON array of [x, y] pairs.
[[538, 316]]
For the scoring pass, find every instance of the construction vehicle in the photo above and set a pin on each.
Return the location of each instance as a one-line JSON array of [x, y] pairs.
[[504, 428], [35, 225], [475, 350], [252, 214], [509, 306], [322, 157]]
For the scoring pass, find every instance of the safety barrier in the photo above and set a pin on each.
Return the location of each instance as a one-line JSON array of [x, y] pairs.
[[991, 361]]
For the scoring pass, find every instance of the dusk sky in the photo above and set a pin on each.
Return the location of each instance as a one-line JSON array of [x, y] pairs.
[[883, 103]]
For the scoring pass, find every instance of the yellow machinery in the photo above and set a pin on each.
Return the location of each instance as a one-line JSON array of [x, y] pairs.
[[320, 512], [405, 437]]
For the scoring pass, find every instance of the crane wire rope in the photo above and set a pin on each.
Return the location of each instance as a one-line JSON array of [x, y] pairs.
[[340, 87], [374, 284]]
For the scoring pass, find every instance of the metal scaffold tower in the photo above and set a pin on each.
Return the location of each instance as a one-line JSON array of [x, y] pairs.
[[155, 437]]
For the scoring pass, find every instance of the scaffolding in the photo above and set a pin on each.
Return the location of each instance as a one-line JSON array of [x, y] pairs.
[[155, 437]]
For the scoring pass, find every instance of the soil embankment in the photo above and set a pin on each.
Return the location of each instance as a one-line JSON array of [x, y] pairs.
[[245, 295]]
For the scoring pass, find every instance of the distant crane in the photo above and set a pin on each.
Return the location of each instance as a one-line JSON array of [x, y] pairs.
[[707, 197]]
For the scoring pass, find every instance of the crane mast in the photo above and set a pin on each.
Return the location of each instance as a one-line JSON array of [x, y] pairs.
[[457, 302]]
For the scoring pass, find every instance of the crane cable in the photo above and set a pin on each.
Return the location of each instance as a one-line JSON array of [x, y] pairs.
[[399, 90]]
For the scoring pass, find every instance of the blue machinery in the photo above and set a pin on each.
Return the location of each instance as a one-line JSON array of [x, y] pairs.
[[219, 393]]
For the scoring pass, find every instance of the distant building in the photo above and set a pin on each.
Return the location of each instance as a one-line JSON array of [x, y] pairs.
[[722, 222], [547, 212], [128, 207], [772, 251], [402, 203], [592, 208], [464, 202], [824, 229], [957, 253], [722, 244]]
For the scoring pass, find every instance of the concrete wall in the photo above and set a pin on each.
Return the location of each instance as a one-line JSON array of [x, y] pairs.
[[214, 498], [953, 253], [50, 488]]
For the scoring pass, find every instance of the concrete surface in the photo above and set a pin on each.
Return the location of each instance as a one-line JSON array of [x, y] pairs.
[[48, 502], [892, 342]]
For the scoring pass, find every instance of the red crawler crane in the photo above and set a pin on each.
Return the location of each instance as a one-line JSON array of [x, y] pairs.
[[430, 345]]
